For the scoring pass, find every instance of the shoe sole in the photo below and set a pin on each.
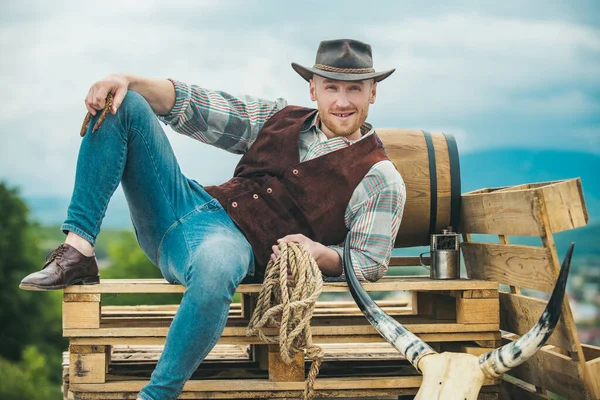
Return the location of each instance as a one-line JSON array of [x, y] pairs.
[[88, 280]]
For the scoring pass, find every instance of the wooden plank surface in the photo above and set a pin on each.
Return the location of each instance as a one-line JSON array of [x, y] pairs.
[[491, 335], [522, 266], [322, 308], [238, 334], [552, 371], [592, 357], [500, 213], [250, 385], [565, 205], [515, 211], [515, 391], [388, 283], [477, 311], [518, 314]]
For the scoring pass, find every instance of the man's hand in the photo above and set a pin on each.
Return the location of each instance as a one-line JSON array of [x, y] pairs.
[[328, 260], [117, 84]]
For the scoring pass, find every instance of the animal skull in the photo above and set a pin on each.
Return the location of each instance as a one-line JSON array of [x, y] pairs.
[[456, 376]]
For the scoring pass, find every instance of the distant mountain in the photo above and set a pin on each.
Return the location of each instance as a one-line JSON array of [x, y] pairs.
[[53, 211], [507, 167], [503, 167]]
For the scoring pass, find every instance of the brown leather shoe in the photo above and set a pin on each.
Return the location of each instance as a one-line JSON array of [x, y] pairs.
[[65, 266]]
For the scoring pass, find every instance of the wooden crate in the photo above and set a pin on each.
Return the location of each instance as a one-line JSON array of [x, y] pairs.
[[444, 313], [564, 366], [374, 363]]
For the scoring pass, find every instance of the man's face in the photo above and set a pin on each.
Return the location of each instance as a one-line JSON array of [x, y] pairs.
[[343, 106]]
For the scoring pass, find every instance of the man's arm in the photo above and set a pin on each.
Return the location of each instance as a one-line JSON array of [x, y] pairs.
[[218, 118], [373, 218], [374, 222], [213, 117], [159, 93]]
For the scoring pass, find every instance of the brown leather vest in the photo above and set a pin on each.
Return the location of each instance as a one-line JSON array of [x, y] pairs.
[[272, 194]]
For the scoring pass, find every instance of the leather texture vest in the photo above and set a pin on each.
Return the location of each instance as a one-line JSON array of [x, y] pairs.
[[272, 194]]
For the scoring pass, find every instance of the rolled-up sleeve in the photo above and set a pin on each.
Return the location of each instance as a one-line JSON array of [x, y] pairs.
[[373, 225], [218, 118]]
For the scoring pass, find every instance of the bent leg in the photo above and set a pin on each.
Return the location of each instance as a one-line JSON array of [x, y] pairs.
[[131, 147], [217, 258]]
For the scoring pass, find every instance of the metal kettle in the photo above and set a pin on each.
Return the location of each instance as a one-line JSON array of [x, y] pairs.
[[445, 255]]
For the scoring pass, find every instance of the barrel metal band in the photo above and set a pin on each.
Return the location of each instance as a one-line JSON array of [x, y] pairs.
[[455, 184], [433, 196]]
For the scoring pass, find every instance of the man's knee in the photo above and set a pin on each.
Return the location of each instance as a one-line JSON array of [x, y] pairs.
[[134, 103], [221, 262]]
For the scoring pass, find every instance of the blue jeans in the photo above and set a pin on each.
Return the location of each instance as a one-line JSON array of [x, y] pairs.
[[180, 228]]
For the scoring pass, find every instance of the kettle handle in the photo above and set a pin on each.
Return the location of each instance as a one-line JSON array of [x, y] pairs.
[[421, 260]]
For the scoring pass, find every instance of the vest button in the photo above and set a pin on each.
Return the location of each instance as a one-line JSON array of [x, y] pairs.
[[234, 204], [255, 196], [269, 190], [295, 171]]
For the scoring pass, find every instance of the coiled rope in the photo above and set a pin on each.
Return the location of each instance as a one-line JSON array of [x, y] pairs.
[[288, 304]]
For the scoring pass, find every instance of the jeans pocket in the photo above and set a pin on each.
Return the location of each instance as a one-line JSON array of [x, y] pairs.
[[211, 206]]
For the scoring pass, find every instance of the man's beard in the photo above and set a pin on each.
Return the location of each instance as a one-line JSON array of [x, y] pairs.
[[343, 129]]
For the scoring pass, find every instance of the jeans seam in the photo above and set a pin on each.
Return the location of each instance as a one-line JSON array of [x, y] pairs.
[[176, 223], [151, 155], [213, 342], [144, 396], [78, 231], [115, 184]]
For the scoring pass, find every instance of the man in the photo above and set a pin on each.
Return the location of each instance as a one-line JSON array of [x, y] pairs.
[[317, 177]]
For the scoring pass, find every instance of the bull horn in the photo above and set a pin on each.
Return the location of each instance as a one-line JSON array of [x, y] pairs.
[[409, 345], [500, 360]]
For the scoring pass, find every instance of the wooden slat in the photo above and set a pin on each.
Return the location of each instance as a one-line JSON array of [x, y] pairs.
[[408, 261], [320, 327], [234, 385], [81, 314], [516, 212], [592, 357], [518, 314], [566, 314], [476, 311], [565, 205], [76, 297], [500, 213], [332, 308], [552, 371], [484, 336], [487, 393], [514, 391], [523, 266], [391, 283]]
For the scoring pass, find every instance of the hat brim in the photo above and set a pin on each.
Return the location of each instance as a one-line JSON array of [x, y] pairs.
[[307, 73]]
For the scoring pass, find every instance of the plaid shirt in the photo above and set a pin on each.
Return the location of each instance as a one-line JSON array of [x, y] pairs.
[[232, 123]]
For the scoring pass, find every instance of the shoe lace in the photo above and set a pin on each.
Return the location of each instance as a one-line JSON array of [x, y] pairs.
[[55, 254]]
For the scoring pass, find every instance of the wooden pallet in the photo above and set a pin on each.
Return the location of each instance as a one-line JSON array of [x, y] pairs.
[[564, 366], [348, 370], [445, 313]]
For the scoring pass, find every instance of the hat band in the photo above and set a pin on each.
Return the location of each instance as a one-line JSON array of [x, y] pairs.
[[344, 70]]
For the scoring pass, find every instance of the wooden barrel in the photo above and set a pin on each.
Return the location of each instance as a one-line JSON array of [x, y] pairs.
[[429, 165]]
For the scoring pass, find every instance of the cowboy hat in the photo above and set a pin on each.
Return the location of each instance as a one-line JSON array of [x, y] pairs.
[[343, 60]]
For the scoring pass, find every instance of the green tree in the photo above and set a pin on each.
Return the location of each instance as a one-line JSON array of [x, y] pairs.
[[127, 260], [26, 318], [29, 378]]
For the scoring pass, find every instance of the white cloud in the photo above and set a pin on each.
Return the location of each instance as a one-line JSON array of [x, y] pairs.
[[453, 69], [468, 64]]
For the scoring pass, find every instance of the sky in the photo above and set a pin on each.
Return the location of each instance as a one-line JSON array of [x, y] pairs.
[[511, 75]]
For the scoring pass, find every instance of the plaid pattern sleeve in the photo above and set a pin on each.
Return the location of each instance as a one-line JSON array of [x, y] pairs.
[[373, 218], [218, 118]]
